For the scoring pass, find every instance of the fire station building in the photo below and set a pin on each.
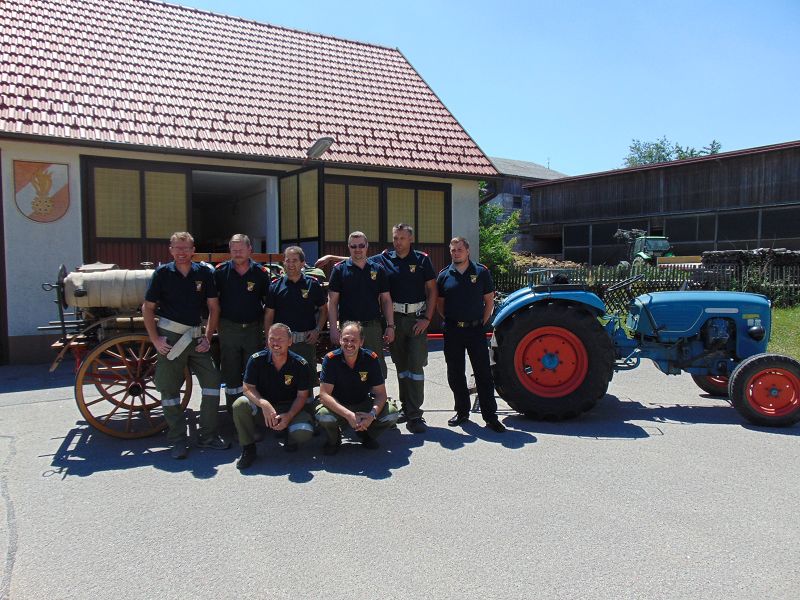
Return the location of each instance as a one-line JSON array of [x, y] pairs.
[[122, 121]]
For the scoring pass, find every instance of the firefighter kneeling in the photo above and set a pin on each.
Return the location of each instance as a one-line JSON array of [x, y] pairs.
[[276, 385], [352, 392]]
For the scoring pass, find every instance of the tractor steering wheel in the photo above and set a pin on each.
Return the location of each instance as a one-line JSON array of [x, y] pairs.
[[624, 283]]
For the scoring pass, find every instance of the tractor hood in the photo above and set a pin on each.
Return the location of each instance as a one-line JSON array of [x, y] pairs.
[[681, 314]]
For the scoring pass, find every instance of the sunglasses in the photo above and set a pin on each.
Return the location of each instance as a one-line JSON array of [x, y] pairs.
[[359, 246]]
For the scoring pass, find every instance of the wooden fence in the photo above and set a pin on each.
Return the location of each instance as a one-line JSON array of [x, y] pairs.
[[779, 284]]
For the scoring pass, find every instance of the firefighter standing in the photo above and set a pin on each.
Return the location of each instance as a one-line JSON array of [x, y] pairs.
[[177, 294], [466, 301], [242, 286]]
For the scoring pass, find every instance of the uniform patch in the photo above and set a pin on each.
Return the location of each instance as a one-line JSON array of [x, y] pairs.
[[304, 294], [473, 278], [373, 275], [412, 268], [198, 286], [287, 379], [363, 376], [251, 285]]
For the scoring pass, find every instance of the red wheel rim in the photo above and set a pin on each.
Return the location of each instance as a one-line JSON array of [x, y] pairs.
[[773, 392], [551, 362]]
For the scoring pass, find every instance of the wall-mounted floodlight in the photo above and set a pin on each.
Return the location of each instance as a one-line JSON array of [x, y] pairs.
[[319, 147]]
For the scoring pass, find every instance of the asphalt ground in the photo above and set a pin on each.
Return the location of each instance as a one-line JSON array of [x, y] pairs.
[[660, 492]]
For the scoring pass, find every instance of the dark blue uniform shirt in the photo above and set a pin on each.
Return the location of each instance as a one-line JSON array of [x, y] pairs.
[[359, 290], [463, 293], [407, 276], [179, 298], [351, 386], [295, 302], [241, 297], [278, 387]]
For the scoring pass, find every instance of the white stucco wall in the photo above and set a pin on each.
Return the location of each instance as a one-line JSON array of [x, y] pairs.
[[33, 251]]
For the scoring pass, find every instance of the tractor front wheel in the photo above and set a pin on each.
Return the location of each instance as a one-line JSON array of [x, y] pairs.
[[552, 361], [765, 389], [716, 385], [114, 388]]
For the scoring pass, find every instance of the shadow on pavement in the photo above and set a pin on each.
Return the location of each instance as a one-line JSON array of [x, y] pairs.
[[612, 419], [26, 378]]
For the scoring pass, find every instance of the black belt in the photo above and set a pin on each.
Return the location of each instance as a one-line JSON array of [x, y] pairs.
[[242, 325], [463, 324]]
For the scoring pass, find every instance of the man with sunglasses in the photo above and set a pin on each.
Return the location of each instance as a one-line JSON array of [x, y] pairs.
[[359, 291], [412, 287]]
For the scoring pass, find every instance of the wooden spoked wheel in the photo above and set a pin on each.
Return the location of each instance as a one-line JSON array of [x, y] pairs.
[[114, 388]]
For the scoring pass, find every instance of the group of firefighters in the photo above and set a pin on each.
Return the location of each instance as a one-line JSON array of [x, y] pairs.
[[389, 298]]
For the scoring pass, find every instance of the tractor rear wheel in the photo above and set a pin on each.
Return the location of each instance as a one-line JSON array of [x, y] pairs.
[[552, 361], [716, 385], [114, 388], [765, 389]]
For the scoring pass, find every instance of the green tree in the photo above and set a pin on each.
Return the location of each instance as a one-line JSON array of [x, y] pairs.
[[662, 150], [494, 232]]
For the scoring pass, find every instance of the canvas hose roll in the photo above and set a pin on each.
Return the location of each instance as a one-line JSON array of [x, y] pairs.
[[121, 288]]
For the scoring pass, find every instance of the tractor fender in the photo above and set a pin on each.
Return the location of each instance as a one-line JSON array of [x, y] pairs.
[[525, 297]]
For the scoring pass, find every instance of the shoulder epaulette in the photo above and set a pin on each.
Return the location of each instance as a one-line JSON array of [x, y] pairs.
[[263, 268], [330, 354], [386, 252], [257, 354], [445, 269], [218, 265], [482, 265], [373, 354], [423, 253], [339, 263]]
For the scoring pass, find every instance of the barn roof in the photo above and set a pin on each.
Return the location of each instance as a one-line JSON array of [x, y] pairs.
[[147, 75]]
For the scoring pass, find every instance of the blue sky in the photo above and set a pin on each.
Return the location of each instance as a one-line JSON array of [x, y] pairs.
[[569, 83]]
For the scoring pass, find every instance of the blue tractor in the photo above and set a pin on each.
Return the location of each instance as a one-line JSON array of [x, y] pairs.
[[556, 347]]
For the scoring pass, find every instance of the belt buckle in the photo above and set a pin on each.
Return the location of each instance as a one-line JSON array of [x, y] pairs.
[[460, 324]]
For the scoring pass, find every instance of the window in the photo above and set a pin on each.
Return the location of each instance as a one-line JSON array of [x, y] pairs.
[[375, 206], [118, 203], [298, 206], [516, 203]]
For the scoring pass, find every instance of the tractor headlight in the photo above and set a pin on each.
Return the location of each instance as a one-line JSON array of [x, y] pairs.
[[757, 332]]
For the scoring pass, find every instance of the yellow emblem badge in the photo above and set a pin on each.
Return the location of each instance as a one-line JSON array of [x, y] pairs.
[[287, 379], [373, 275], [363, 375], [251, 286], [198, 286], [304, 293], [473, 278], [412, 268]]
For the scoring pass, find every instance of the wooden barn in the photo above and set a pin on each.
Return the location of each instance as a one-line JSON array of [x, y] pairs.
[[733, 200]]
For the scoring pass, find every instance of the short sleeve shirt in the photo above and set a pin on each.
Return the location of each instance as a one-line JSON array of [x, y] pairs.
[[358, 290], [278, 386], [295, 302], [407, 276], [351, 386], [241, 297], [463, 292], [179, 298]]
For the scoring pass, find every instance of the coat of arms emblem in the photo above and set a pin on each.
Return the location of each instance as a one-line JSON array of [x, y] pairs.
[[412, 268], [287, 379], [363, 376], [373, 275], [198, 285], [304, 294], [251, 286], [473, 278]]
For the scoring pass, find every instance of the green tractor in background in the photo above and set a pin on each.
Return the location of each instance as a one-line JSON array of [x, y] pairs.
[[643, 249]]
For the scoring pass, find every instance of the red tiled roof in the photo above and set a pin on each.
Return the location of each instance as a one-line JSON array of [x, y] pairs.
[[155, 75]]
